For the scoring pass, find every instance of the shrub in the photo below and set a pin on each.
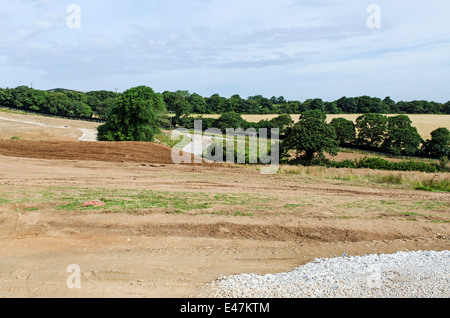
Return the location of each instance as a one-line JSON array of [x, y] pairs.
[[383, 164]]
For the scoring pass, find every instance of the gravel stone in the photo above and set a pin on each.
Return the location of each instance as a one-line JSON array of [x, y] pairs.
[[422, 274]]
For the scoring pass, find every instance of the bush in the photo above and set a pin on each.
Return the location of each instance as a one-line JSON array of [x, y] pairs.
[[433, 185], [383, 164]]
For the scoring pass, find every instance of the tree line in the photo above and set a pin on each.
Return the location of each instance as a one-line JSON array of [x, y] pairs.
[[95, 104], [182, 104], [313, 136]]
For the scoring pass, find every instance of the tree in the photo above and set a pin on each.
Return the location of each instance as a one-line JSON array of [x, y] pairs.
[[198, 104], [57, 104], [310, 138], [216, 104], [6, 98], [169, 100], [439, 145], [331, 108], [281, 100], [282, 122], [446, 108], [101, 101], [401, 137], [230, 120], [389, 106], [371, 130], [181, 106], [235, 104], [135, 116], [347, 105], [105, 107], [364, 104], [317, 104], [345, 131], [24, 97]]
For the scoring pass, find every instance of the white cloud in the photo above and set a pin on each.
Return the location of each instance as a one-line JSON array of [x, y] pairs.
[[289, 46]]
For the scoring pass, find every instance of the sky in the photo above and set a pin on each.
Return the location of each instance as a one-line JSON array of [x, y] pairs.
[[297, 49]]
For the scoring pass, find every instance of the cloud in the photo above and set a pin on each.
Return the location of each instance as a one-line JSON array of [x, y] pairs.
[[287, 41]]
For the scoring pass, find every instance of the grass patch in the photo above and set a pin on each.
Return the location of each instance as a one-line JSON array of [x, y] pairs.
[[434, 186], [4, 201], [176, 212], [432, 205], [218, 213], [133, 200], [243, 214], [178, 142], [387, 179], [403, 180], [292, 206], [412, 214], [31, 209]]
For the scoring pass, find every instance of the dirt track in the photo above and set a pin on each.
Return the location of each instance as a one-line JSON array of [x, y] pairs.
[[168, 230]]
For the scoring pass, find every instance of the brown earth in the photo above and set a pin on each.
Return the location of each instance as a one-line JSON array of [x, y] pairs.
[[168, 230], [141, 152], [254, 224]]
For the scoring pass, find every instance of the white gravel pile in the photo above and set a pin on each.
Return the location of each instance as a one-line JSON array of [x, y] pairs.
[[422, 274]]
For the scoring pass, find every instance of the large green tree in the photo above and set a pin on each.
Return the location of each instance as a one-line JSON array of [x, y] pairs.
[[216, 104], [198, 104], [401, 137], [371, 129], [311, 137], [230, 120], [347, 105], [135, 118], [345, 130], [439, 144]]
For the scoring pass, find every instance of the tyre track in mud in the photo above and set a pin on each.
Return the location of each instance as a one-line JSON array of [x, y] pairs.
[[148, 226]]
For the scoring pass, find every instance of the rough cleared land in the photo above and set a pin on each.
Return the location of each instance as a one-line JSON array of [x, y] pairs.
[[168, 230]]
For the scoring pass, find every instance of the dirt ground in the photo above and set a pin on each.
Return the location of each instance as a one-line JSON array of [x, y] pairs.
[[206, 221], [36, 127]]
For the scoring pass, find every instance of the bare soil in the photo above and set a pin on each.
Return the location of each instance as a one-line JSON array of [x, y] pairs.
[[140, 152], [152, 253], [253, 223]]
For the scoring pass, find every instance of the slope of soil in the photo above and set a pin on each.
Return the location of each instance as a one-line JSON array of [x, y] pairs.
[[141, 152]]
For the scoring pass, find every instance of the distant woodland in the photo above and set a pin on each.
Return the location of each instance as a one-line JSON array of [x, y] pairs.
[[98, 104]]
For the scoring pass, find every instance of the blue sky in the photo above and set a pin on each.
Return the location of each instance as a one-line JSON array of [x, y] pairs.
[[293, 48]]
